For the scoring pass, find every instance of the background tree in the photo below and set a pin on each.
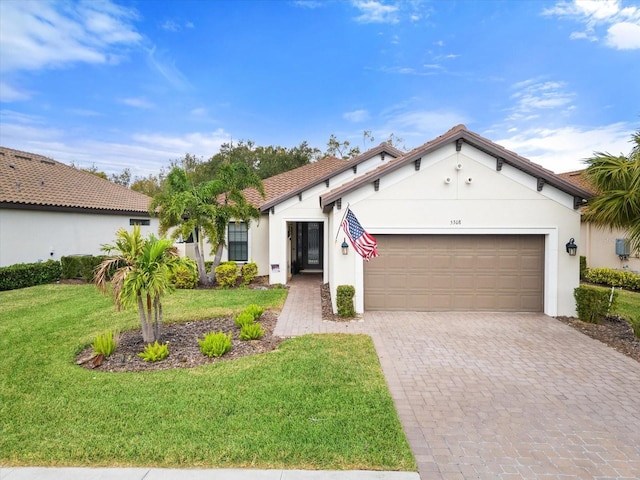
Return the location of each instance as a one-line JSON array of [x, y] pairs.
[[617, 183], [123, 178], [344, 150], [142, 269]]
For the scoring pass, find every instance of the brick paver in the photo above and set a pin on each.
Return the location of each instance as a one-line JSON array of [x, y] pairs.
[[485, 395]]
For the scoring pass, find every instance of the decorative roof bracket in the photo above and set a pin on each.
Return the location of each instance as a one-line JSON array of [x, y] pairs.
[[418, 161], [540, 184], [339, 203], [326, 183], [300, 196], [355, 169], [499, 163], [376, 184], [458, 145], [577, 202]]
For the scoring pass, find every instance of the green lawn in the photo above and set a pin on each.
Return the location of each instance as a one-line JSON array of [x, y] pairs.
[[629, 308], [318, 402]]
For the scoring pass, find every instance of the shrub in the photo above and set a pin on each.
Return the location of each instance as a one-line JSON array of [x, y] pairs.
[[106, 343], [185, 274], [344, 300], [215, 344], [592, 303], [249, 271], [614, 278], [253, 331], [254, 310], [245, 318], [80, 266], [24, 275], [155, 352], [227, 274], [583, 267]]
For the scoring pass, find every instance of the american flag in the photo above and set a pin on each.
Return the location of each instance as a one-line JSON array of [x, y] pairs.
[[362, 242]]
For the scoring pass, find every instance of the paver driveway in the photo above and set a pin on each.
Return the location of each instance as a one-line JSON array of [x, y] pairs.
[[497, 395]]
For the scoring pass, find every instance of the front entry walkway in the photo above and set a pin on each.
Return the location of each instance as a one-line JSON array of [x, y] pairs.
[[496, 395]]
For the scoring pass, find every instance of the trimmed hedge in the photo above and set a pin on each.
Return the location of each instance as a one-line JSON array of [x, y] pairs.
[[25, 275], [613, 278], [592, 303], [80, 266], [344, 300]]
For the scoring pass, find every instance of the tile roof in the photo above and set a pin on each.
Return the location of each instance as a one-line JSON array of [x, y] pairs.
[[459, 133], [28, 180], [288, 184], [578, 178]]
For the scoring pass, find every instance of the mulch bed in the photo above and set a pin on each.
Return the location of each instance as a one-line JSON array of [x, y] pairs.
[[613, 331]]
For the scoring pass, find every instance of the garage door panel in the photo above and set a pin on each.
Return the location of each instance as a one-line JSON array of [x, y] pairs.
[[456, 272]]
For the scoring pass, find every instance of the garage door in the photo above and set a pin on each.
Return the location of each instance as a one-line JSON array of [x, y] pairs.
[[499, 273]]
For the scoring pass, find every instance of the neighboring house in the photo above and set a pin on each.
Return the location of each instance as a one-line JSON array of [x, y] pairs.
[[49, 209], [603, 246], [461, 224]]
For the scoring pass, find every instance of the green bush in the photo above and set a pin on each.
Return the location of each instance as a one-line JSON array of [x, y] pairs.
[[155, 352], [80, 266], [613, 278], [592, 303], [24, 275], [227, 274], [253, 331], [249, 271], [245, 318], [215, 344], [254, 310], [344, 300], [185, 274], [583, 267], [106, 343]]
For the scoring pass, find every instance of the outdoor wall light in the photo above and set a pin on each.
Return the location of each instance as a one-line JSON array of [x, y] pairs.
[[572, 248], [345, 247]]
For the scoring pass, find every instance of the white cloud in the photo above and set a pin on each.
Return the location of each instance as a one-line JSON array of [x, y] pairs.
[[624, 36], [310, 4], [356, 116], [137, 103], [620, 26], [37, 35], [199, 112], [534, 95], [564, 149], [419, 126], [174, 26], [11, 94], [166, 67], [376, 12]]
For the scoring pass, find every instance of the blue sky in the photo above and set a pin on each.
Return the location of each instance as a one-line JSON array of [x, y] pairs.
[[120, 84]]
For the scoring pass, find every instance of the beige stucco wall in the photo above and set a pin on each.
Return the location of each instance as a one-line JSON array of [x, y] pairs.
[[492, 202], [599, 246], [28, 236]]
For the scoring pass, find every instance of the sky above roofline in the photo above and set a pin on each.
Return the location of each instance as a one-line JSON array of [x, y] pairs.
[[116, 85]]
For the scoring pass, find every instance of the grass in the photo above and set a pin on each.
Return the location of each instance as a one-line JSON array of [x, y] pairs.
[[627, 307], [318, 402]]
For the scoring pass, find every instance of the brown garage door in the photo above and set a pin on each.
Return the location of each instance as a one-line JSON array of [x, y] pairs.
[[499, 273]]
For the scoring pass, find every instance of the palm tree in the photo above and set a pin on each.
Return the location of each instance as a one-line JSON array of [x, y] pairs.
[[141, 276], [205, 210], [617, 182]]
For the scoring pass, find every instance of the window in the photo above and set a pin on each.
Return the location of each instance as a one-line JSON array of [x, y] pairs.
[[139, 221], [238, 242]]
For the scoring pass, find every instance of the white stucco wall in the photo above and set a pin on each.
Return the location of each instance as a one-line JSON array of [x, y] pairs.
[[505, 202], [28, 236], [599, 246]]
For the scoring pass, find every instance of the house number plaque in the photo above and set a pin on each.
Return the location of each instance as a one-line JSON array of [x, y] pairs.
[[456, 222]]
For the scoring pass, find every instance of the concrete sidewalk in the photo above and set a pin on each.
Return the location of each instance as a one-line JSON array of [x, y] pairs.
[[42, 473]]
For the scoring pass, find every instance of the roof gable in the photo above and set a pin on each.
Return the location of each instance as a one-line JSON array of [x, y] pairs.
[[460, 135], [289, 184], [28, 180]]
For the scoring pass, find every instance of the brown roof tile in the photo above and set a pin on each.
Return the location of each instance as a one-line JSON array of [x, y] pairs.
[[29, 180], [578, 178]]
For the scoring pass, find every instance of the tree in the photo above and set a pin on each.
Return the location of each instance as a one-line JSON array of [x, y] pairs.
[[336, 148], [141, 276], [617, 183], [204, 211], [123, 178], [150, 185]]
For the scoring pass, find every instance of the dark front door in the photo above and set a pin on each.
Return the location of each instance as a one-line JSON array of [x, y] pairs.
[[310, 245]]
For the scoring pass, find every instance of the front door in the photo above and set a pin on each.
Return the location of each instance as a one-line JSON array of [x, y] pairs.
[[310, 245]]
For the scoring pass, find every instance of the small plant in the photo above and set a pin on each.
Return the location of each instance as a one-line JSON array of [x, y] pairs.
[[344, 300], [583, 267], [593, 303], [154, 352], [254, 310], [106, 343], [227, 274], [245, 318], [253, 331], [185, 274], [215, 344], [249, 271]]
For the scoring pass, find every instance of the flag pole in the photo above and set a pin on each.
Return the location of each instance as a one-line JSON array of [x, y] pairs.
[[338, 232]]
